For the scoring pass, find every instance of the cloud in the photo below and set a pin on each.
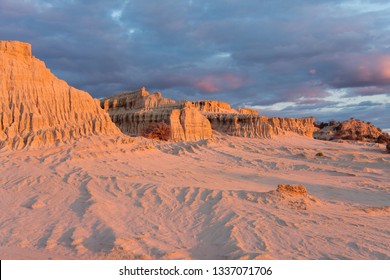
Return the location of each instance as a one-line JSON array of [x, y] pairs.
[[218, 83], [377, 113], [362, 70], [369, 103], [254, 53], [368, 91]]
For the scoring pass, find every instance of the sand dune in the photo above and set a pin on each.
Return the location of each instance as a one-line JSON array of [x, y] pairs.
[[212, 199]]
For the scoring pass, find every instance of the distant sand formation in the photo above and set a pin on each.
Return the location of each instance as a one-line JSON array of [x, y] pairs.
[[352, 129], [246, 122], [39, 109], [134, 111]]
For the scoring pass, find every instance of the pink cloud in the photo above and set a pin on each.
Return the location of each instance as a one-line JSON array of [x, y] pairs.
[[385, 67], [365, 70], [219, 82], [207, 84]]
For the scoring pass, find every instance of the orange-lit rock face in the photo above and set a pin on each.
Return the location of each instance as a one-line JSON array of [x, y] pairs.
[[15, 48], [350, 130], [247, 111], [134, 111], [254, 126], [246, 122], [213, 106], [36, 108]]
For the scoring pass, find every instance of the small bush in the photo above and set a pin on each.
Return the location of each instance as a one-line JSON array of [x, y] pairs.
[[383, 139], [157, 131], [319, 154], [347, 137], [323, 124]]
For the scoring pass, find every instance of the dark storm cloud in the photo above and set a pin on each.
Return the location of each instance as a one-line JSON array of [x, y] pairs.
[[240, 51]]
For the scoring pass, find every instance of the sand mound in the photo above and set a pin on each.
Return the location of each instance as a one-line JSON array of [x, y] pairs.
[[36, 108], [294, 196], [292, 190]]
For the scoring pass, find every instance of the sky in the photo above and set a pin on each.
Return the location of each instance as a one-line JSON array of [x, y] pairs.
[[328, 59]]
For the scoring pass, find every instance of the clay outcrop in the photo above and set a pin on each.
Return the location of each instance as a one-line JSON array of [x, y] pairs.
[[252, 126], [246, 122], [213, 106], [139, 100], [247, 111], [352, 129], [135, 111], [294, 197], [36, 108]]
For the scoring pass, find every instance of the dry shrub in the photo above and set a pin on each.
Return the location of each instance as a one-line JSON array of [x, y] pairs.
[[157, 131], [383, 139], [321, 125], [348, 137]]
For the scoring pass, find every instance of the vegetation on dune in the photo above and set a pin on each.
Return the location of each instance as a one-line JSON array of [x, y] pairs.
[[157, 131]]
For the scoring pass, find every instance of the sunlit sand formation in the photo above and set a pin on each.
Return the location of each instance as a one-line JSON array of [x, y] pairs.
[[229, 184]]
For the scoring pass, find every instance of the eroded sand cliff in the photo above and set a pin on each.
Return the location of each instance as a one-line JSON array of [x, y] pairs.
[[134, 111], [37, 108], [190, 121]]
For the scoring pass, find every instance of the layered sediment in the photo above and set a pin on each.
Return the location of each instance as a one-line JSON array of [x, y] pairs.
[[253, 126], [246, 122], [215, 106], [135, 111], [37, 108]]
